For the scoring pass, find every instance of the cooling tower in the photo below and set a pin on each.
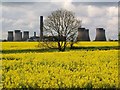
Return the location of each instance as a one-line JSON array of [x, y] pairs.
[[81, 34], [10, 35], [87, 38], [41, 28], [100, 34], [25, 35], [18, 35]]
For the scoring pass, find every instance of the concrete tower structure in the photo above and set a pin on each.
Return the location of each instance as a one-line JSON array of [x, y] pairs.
[[10, 36], [18, 35], [41, 28], [83, 34], [25, 35], [87, 38], [100, 34]]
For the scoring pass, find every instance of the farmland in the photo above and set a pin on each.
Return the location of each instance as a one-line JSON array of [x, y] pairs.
[[24, 65], [34, 45]]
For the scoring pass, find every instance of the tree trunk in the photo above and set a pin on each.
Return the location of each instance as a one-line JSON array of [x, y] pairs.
[[59, 46], [64, 47], [71, 46]]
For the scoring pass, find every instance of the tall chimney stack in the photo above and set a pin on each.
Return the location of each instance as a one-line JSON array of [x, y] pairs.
[[41, 28]]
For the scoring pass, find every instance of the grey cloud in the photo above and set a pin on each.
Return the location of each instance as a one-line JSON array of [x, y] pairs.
[[98, 4], [25, 16], [15, 4]]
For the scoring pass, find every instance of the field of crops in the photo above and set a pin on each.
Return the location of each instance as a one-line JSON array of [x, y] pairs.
[[69, 69], [34, 45]]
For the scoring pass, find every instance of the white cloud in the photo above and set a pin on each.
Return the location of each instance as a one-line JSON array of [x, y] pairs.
[[112, 27], [68, 5], [7, 21], [65, 4], [85, 21], [26, 16], [60, 1], [113, 21], [94, 11], [112, 11]]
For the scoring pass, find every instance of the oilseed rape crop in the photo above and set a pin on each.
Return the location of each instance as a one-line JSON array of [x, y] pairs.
[[69, 69], [96, 44], [34, 45]]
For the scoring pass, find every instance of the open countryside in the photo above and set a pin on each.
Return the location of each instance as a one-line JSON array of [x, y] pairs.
[[59, 45], [29, 67]]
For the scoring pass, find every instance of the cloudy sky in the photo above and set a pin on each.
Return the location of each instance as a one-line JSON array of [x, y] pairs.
[[25, 15]]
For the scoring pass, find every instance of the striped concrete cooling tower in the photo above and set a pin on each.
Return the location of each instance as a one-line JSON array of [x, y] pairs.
[[100, 34], [10, 36], [18, 35], [25, 35], [83, 34]]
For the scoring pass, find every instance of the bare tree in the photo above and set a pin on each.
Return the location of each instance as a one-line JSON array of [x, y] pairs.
[[64, 25]]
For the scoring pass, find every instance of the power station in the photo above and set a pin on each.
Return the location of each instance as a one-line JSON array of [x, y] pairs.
[[41, 28], [87, 35], [83, 35], [100, 34], [25, 35], [18, 35], [10, 36]]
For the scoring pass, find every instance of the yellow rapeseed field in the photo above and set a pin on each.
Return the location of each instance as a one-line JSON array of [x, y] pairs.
[[69, 69], [96, 44], [34, 45], [19, 45]]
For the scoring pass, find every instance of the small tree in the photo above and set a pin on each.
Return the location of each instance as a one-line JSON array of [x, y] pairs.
[[64, 25]]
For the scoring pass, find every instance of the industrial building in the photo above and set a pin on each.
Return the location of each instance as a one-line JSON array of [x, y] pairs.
[[83, 34], [18, 35], [25, 35], [34, 38], [100, 34], [10, 36], [87, 35], [41, 28]]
